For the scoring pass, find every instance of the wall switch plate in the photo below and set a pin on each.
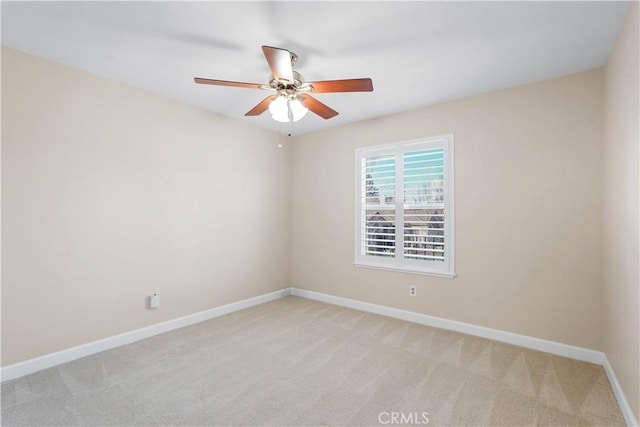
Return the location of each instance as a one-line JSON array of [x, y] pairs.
[[154, 301], [412, 290]]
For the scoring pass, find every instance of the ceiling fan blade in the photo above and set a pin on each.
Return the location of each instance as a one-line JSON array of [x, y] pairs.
[[317, 107], [200, 80], [349, 85], [261, 107], [280, 62]]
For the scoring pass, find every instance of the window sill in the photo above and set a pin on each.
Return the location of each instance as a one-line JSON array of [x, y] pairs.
[[409, 270]]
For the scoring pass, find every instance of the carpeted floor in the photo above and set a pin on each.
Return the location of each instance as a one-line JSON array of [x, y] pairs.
[[296, 361]]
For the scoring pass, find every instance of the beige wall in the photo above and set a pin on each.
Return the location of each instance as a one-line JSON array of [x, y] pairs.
[[621, 204], [528, 189], [110, 193]]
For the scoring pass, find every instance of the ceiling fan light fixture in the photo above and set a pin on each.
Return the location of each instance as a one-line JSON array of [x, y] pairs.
[[285, 109], [279, 109], [298, 110]]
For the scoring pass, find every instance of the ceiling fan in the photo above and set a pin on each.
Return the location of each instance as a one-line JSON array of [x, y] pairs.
[[292, 96]]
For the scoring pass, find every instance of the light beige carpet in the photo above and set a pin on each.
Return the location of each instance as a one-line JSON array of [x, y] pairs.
[[296, 361]]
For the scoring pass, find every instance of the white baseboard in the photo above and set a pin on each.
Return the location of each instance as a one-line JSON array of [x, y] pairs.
[[27, 367], [629, 417], [573, 352], [578, 353]]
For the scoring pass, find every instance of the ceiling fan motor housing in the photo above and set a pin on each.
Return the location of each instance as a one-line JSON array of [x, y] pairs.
[[280, 84]]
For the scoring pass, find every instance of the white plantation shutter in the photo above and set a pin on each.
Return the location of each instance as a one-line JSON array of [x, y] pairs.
[[378, 206], [405, 206], [424, 218]]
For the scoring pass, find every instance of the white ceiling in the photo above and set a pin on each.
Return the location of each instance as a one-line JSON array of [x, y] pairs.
[[417, 53]]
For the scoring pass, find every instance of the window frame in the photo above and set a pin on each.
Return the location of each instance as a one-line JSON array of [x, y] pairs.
[[398, 262]]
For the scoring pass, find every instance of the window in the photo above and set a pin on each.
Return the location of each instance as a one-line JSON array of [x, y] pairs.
[[404, 209]]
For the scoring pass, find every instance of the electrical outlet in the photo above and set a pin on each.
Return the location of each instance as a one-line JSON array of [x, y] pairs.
[[412, 290], [154, 301]]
